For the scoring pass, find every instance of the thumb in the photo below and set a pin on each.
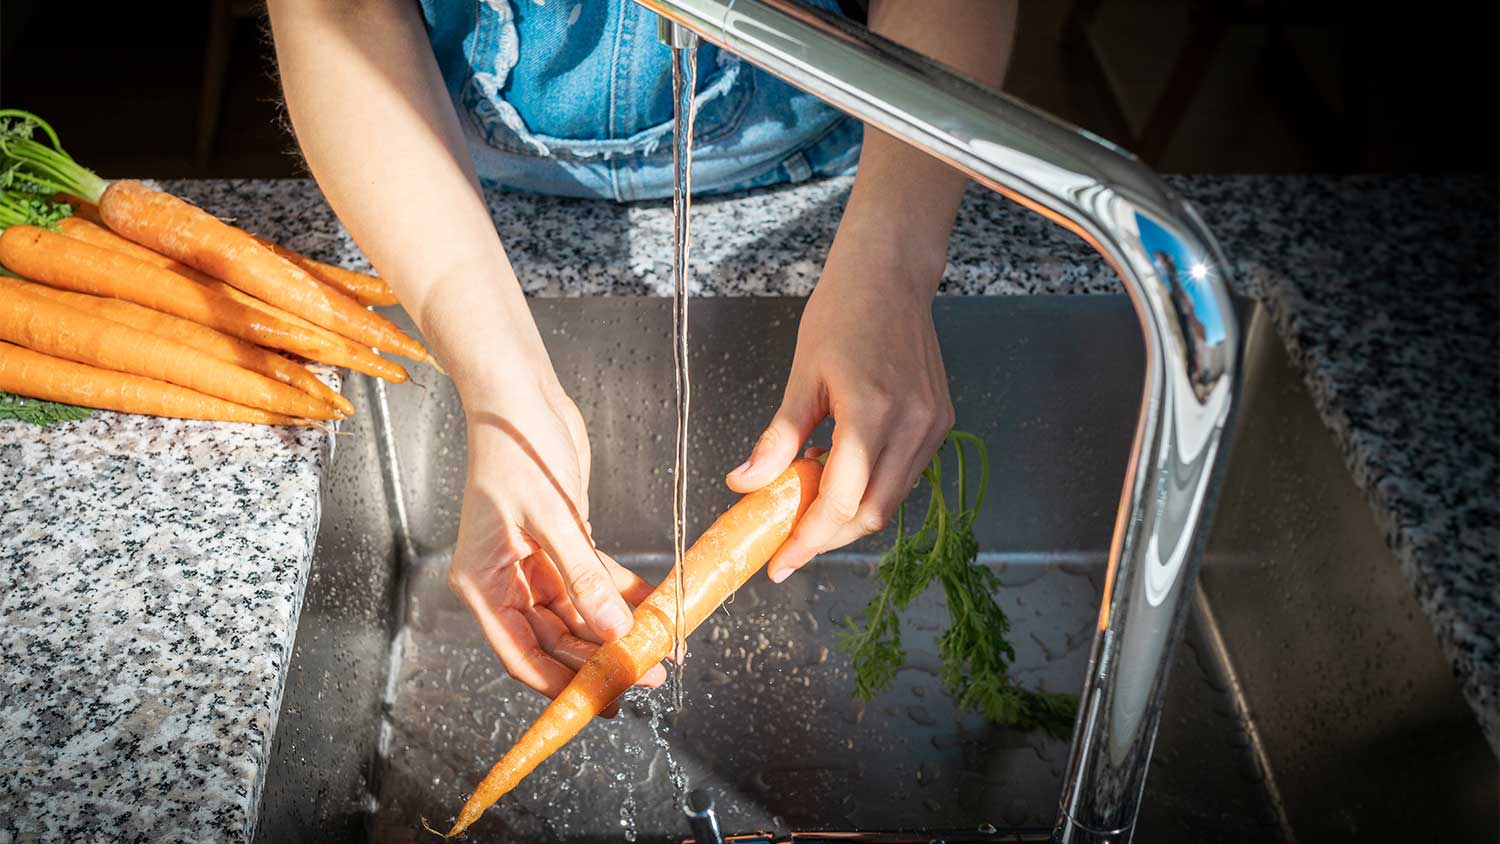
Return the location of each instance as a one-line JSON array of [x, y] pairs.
[[778, 445]]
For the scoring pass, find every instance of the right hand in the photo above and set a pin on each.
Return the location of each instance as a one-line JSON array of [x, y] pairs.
[[525, 562]]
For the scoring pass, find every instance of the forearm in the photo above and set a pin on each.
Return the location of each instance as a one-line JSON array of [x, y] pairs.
[[903, 197], [378, 131]]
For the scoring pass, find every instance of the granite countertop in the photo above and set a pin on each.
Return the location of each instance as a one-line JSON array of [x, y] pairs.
[[151, 571]]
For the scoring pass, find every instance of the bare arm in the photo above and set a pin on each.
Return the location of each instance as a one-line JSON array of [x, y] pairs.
[[903, 191], [375, 123], [378, 130], [867, 353]]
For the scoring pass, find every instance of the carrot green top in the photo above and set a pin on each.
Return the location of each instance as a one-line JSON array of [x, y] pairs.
[[975, 649], [41, 167], [18, 208]]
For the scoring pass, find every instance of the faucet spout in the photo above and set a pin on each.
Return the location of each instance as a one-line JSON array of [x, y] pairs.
[[675, 35], [1178, 281]]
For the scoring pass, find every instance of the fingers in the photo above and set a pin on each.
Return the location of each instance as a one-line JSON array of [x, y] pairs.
[[513, 639], [838, 503], [861, 491], [557, 640], [891, 483], [580, 437], [631, 588], [548, 589], [534, 644], [799, 413], [588, 581]]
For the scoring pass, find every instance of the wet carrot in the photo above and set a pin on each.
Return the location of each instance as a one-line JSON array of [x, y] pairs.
[[733, 548], [191, 235], [195, 336], [61, 261], [28, 373], [52, 328]]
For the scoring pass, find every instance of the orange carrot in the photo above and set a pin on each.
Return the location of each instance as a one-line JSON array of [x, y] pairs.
[[365, 288], [88, 230], [195, 336], [52, 328], [340, 351], [82, 208], [191, 235], [40, 376], [61, 261], [344, 352], [735, 547]]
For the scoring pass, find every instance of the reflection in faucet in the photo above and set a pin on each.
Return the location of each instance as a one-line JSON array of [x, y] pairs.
[[1148, 235]]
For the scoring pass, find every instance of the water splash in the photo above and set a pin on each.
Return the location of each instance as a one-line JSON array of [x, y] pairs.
[[628, 815], [657, 710]]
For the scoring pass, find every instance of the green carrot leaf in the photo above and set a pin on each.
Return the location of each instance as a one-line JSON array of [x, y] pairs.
[[39, 412], [41, 166], [975, 650]]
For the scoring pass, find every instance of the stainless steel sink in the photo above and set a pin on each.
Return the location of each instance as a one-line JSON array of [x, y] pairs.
[[1310, 700]]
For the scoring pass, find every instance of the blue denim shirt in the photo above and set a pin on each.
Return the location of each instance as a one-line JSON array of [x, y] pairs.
[[574, 98]]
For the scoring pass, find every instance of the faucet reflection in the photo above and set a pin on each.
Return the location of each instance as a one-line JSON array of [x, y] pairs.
[[1148, 235]]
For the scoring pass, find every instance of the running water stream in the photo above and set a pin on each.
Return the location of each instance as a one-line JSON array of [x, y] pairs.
[[684, 80]]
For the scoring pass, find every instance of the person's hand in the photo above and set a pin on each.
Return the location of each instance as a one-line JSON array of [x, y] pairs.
[[868, 356], [525, 562]]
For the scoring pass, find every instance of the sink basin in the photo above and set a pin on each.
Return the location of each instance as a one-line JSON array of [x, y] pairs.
[[1309, 700]]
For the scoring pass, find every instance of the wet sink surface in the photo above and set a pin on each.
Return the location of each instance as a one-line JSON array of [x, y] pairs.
[[395, 707], [769, 722]]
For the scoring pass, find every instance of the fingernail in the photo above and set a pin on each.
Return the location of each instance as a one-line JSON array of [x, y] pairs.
[[615, 619], [778, 576], [741, 469]]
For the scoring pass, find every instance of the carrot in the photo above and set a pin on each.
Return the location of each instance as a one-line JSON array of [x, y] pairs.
[[191, 235], [365, 288], [82, 208], [195, 336], [45, 167], [177, 229], [344, 352], [52, 328], [339, 351], [40, 376], [61, 261], [736, 546]]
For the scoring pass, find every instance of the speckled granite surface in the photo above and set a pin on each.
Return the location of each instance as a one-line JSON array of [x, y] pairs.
[[151, 572], [146, 629]]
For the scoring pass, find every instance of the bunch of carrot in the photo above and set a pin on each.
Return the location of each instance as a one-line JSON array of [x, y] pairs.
[[121, 297]]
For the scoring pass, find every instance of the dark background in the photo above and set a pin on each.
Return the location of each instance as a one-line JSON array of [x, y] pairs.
[[1193, 86]]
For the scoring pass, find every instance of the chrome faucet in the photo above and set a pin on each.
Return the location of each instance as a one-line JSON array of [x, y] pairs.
[[1178, 280]]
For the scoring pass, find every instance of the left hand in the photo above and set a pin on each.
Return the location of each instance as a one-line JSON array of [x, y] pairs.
[[867, 355]]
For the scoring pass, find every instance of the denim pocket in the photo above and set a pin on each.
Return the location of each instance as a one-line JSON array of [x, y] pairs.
[[721, 100]]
